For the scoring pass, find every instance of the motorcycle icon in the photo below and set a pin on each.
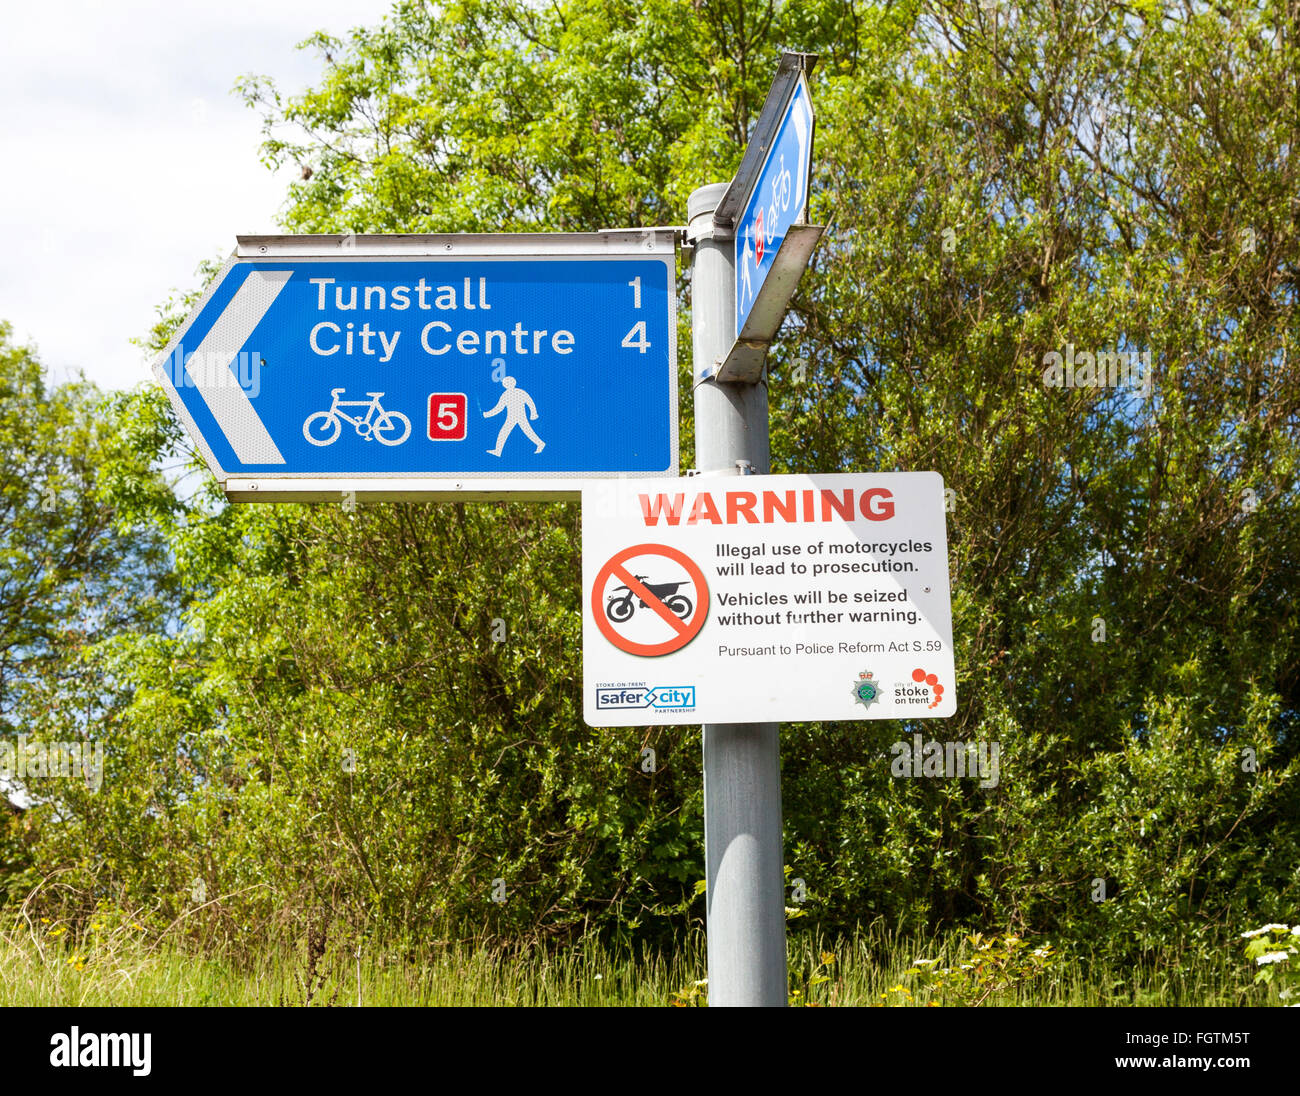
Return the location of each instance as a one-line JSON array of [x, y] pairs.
[[620, 608]]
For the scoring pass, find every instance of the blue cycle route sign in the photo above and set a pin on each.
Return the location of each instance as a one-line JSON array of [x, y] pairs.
[[778, 200], [356, 358]]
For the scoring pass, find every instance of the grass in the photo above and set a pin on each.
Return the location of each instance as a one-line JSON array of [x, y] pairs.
[[115, 965]]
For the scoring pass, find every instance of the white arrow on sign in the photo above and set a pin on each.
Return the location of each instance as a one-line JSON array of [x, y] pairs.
[[228, 401]]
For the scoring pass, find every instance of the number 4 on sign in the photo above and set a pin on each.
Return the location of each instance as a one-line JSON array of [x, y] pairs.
[[636, 338]]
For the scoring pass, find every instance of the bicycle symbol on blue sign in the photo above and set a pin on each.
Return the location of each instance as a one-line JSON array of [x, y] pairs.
[[386, 427]]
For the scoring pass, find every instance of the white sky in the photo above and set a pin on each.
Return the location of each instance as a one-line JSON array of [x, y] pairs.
[[125, 160]]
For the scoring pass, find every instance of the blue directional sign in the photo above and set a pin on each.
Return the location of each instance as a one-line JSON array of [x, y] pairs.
[[362, 360], [778, 200]]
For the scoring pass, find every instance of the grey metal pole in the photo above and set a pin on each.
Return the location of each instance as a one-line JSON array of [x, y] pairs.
[[742, 761]]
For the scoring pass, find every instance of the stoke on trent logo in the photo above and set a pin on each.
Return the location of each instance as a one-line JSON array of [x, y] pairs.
[[866, 690], [924, 688]]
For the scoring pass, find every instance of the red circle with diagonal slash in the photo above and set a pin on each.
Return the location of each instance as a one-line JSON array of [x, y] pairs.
[[685, 632]]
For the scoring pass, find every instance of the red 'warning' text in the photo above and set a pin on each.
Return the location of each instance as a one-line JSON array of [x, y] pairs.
[[770, 507]]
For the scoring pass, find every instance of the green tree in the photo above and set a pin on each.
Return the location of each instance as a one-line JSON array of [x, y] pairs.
[[1004, 182], [330, 634], [1046, 178], [69, 575]]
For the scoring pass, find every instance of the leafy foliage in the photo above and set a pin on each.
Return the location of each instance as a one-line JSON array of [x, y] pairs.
[[71, 576], [993, 966], [335, 732], [1276, 954]]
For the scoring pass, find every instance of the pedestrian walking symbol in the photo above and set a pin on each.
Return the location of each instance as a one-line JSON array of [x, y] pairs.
[[515, 402], [650, 599]]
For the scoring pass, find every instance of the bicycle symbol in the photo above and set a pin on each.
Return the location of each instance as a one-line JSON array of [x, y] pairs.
[[781, 188], [375, 423], [765, 224], [619, 609]]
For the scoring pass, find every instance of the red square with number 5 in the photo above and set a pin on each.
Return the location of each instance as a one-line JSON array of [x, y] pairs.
[[447, 416]]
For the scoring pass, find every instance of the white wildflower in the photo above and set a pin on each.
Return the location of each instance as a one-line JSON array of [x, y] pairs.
[[1273, 957], [1266, 928]]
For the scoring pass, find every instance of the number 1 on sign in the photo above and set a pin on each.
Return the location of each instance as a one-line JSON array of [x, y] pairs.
[[635, 283]]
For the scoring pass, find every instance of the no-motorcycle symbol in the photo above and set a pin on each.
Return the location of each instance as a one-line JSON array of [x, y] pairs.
[[650, 599]]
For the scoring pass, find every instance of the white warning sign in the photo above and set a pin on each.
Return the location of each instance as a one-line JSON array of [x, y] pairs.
[[766, 598]]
